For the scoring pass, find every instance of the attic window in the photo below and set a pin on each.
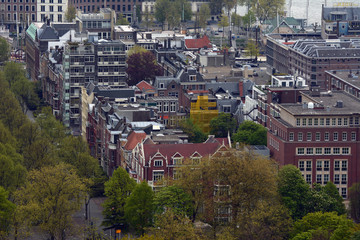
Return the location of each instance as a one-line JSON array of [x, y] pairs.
[[161, 85], [192, 77]]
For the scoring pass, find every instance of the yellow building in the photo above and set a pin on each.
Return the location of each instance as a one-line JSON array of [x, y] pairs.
[[203, 109]]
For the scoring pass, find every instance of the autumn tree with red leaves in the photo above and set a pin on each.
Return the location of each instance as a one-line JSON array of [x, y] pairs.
[[142, 65]]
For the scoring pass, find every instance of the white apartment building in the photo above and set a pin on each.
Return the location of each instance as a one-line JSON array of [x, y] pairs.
[[52, 9]]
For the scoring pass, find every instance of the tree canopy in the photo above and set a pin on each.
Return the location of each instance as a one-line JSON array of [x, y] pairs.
[[50, 197], [251, 133], [117, 190], [142, 66], [139, 208], [4, 50], [223, 124], [193, 131], [172, 12], [70, 13]]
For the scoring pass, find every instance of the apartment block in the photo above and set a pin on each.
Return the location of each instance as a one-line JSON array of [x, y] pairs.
[[18, 12], [102, 63], [54, 10]]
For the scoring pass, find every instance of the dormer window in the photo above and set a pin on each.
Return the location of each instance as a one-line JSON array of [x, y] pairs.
[[161, 85], [192, 78], [158, 163]]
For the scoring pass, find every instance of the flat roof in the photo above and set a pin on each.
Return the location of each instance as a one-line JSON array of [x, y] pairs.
[[350, 76], [351, 105]]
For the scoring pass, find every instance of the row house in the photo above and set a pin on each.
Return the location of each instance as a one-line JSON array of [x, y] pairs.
[[152, 162], [316, 131], [18, 13]]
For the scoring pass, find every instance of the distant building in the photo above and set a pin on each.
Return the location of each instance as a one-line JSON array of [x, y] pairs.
[[317, 132], [339, 22]]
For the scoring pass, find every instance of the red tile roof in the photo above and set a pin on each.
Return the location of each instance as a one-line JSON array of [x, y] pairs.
[[198, 43], [186, 149], [143, 85], [133, 139]]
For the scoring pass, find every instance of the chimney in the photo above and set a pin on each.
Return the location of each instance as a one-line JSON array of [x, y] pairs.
[[241, 89]]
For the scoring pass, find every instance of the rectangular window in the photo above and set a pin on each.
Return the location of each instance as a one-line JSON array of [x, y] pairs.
[[308, 165], [345, 121], [326, 165], [337, 165], [344, 136], [59, 8], [328, 122], [300, 151], [344, 165], [339, 121], [326, 178], [353, 136], [343, 192], [166, 106], [304, 121], [345, 151], [301, 165], [333, 121], [310, 122], [321, 122], [356, 120], [291, 136], [316, 121], [51, 8], [343, 178], [300, 136], [309, 151], [326, 136], [172, 106], [298, 122], [336, 150], [42, 8], [336, 179], [158, 163], [318, 151], [335, 136], [327, 151], [177, 161], [319, 165], [317, 136], [308, 178], [308, 136], [158, 176], [318, 178]]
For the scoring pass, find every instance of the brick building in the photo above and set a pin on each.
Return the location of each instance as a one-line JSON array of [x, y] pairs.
[[22, 12], [316, 131]]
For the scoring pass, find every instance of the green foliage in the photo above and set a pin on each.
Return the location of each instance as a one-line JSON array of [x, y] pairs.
[[136, 49], [354, 197], [294, 191], [320, 225], [6, 211], [193, 131], [117, 190], [50, 197], [174, 198], [215, 6], [70, 13], [224, 21], [300, 199], [252, 49], [4, 50], [172, 11], [121, 20], [204, 15], [251, 133], [172, 226], [139, 207], [223, 124], [249, 19]]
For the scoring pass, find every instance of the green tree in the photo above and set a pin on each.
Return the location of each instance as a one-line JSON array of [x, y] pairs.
[[161, 11], [249, 19], [139, 207], [193, 131], [354, 197], [204, 15], [147, 19], [264, 9], [216, 6], [294, 191], [70, 13], [50, 197], [223, 124], [251, 49], [251, 133], [174, 198], [4, 50], [318, 225], [121, 20], [6, 211], [236, 20], [223, 23], [172, 226], [25, 94], [117, 190]]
